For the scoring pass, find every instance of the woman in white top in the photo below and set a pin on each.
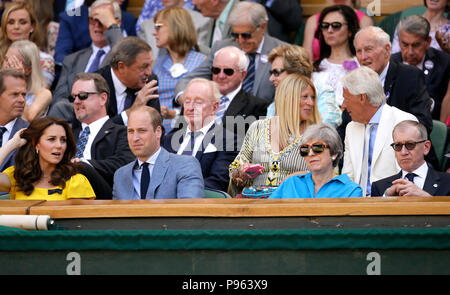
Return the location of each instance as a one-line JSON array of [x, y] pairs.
[[338, 25]]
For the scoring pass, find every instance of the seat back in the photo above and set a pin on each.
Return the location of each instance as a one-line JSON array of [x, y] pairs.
[[438, 140], [216, 194]]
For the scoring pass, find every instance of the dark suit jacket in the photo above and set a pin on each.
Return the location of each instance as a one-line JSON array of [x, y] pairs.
[[109, 150], [73, 34], [214, 164], [9, 161], [437, 74], [112, 102], [436, 183]]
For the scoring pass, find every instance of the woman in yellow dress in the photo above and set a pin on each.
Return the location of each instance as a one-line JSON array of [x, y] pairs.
[[43, 169]]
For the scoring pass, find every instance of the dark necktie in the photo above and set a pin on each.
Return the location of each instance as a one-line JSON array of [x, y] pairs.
[[145, 179], [96, 62], [2, 131], [129, 99], [410, 176], [82, 140], [249, 79], [189, 149]]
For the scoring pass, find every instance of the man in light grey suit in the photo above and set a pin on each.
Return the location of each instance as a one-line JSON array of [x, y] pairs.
[[249, 22], [104, 29], [203, 26], [156, 173]]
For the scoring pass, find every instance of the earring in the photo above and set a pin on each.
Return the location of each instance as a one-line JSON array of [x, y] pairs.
[[37, 152]]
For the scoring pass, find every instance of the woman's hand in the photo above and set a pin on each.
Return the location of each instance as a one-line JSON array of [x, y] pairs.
[[17, 141], [12, 62], [239, 177], [443, 39], [166, 113]]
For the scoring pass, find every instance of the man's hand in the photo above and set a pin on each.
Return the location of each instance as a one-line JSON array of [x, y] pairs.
[[105, 15], [147, 93], [405, 188]]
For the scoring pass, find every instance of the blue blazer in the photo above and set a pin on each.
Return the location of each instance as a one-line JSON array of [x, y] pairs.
[[173, 177], [9, 161]]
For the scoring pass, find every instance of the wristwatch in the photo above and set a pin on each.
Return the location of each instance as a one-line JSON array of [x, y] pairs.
[[113, 26]]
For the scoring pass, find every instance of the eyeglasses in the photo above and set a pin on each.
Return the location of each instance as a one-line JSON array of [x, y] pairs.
[[277, 72], [81, 96], [316, 147], [397, 146], [335, 26], [245, 35], [226, 71]]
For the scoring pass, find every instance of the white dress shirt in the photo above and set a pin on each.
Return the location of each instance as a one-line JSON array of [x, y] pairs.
[[94, 128], [198, 139]]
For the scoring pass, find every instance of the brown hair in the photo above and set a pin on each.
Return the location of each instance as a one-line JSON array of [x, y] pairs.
[[27, 169], [295, 59], [9, 73], [182, 32]]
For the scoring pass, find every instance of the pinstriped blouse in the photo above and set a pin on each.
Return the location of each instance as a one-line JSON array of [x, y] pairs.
[[256, 149]]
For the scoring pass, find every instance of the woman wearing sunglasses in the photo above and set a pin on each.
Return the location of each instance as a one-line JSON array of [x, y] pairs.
[[289, 59], [321, 147], [174, 31], [338, 27], [43, 169], [274, 142]]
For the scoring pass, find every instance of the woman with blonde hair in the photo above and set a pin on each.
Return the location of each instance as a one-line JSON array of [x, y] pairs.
[[18, 23], [24, 56], [175, 32], [273, 143]]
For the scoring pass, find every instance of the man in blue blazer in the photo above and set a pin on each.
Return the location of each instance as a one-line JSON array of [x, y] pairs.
[[210, 143], [156, 173], [416, 177]]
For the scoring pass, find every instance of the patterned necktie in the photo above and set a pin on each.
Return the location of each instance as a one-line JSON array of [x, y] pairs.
[[189, 149], [410, 176], [249, 79], [82, 140], [129, 99], [222, 108], [96, 63], [365, 174], [2, 131], [145, 179]]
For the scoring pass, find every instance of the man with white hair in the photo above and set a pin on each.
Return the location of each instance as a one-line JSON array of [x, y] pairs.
[[368, 156], [248, 21]]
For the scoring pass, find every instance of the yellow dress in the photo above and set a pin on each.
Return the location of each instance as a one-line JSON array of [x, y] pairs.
[[77, 187]]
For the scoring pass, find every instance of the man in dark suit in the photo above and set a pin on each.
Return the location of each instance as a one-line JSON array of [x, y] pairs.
[[104, 36], [73, 34], [211, 144], [416, 178], [13, 88], [102, 145], [414, 40], [130, 80], [249, 23]]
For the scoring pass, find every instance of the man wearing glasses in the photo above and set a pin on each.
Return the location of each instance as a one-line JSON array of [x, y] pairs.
[[368, 156], [249, 22], [416, 177], [102, 145]]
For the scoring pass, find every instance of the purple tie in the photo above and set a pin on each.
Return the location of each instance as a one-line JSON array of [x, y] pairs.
[[96, 62]]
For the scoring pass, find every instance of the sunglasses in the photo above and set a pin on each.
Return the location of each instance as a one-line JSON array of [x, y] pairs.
[[335, 26], [316, 147], [226, 71], [245, 35], [277, 72], [397, 146], [81, 96]]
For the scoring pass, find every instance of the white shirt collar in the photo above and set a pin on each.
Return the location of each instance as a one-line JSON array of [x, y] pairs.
[[95, 126], [233, 93], [10, 125], [383, 74], [118, 86], [203, 130], [422, 171], [152, 159]]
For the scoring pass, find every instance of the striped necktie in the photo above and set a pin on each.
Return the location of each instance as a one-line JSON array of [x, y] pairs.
[[2, 131], [189, 149], [222, 108], [249, 79]]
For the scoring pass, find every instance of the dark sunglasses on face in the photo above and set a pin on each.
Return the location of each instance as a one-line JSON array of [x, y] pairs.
[[245, 35], [226, 71], [277, 72], [397, 146], [334, 25], [316, 147], [81, 96]]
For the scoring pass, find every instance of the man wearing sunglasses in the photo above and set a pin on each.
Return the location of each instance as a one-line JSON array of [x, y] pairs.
[[248, 21], [416, 177], [368, 156], [102, 145]]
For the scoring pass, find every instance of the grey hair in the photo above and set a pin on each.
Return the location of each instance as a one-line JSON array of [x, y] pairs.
[[414, 24], [381, 36], [243, 60], [126, 51], [328, 134], [116, 7], [423, 134], [213, 86], [364, 80], [248, 12]]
